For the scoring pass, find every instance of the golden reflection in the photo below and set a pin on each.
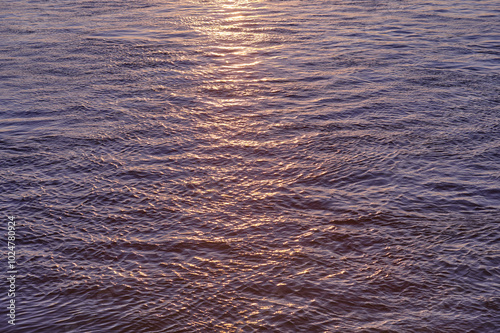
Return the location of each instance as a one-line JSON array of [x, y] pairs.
[[233, 32], [231, 77]]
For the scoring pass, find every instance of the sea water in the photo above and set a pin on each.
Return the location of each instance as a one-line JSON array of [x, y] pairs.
[[251, 166]]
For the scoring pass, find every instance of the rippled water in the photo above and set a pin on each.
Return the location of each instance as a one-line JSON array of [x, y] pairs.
[[252, 166]]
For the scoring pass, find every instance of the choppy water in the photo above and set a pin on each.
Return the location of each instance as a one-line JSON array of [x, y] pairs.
[[252, 166]]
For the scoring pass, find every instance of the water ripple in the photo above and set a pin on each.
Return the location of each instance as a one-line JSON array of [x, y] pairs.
[[252, 165]]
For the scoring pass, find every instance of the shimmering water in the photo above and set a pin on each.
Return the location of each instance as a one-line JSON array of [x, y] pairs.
[[252, 166]]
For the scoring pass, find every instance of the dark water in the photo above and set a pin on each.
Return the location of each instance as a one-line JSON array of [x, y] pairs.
[[252, 166]]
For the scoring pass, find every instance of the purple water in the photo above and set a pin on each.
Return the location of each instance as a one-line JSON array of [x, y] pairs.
[[251, 166]]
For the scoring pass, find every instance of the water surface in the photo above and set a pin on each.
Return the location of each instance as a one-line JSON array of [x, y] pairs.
[[252, 166]]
